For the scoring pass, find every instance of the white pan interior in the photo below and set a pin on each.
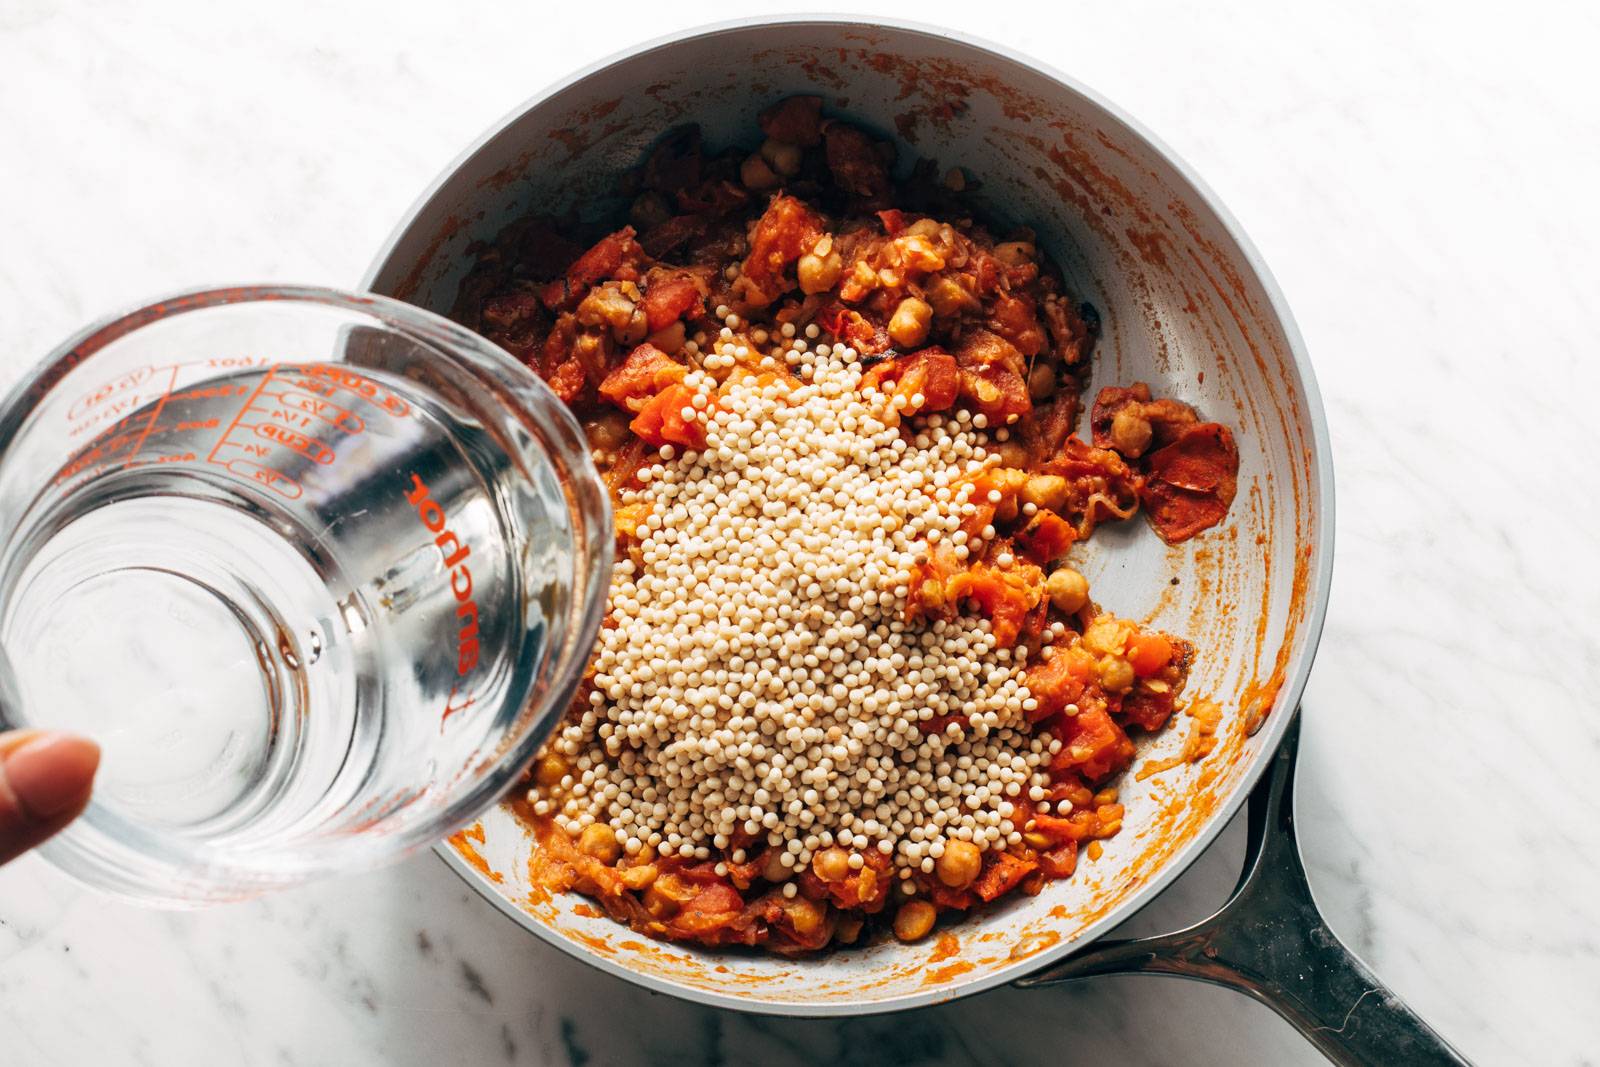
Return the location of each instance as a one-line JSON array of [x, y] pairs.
[[1185, 306]]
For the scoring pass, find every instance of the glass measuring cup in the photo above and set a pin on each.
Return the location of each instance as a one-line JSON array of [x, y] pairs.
[[318, 571]]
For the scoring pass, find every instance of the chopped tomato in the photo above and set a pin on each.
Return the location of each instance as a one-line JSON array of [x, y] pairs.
[[1148, 709], [1149, 653], [668, 299], [894, 220], [1189, 484], [996, 392], [662, 422], [1012, 316], [646, 372], [854, 329], [713, 908], [945, 897], [1060, 829], [1094, 746], [930, 374], [567, 381], [1060, 861], [1100, 484], [605, 260], [1005, 595], [1058, 681], [1001, 873], [1046, 537], [785, 231]]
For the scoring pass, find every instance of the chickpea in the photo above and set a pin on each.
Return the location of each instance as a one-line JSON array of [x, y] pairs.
[[669, 338], [923, 228], [756, 174], [832, 864], [659, 902], [1015, 253], [914, 919], [600, 841], [848, 930], [1041, 382], [550, 769], [781, 156], [1116, 674], [1068, 590], [804, 915], [959, 865], [908, 327], [641, 877], [863, 276], [949, 297], [635, 331], [1130, 433], [917, 253], [1046, 491], [819, 273], [772, 869]]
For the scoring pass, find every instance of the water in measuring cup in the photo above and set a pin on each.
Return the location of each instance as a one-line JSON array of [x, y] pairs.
[[267, 594]]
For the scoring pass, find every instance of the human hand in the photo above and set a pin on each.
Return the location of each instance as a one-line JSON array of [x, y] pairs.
[[45, 779]]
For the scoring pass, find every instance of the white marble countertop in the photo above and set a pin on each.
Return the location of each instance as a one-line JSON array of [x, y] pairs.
[[1421, 180]]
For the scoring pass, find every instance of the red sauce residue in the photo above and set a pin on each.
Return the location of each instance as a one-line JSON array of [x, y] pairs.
[[406, 288], [1149, 245], [465, 842], [586, 911], [948, 945], [1033, 943], [941, 975]]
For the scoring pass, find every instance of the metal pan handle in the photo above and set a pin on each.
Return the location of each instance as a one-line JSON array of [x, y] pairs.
[[1269, 941]]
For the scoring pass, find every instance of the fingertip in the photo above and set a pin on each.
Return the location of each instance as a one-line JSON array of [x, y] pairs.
[[52, 773]]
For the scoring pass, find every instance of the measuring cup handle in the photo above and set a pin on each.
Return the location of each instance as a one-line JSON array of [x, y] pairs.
[[1270, 942]]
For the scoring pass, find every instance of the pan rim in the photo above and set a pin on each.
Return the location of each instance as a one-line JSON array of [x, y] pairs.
[[1322, 519]]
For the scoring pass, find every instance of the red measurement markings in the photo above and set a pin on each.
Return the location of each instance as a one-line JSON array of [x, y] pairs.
[[309, 447], [294, 410], [320, 376], [123, 439], [325, 410], [277, 481]]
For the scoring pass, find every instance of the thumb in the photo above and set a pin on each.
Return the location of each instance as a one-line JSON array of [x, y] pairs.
[[45, 780]]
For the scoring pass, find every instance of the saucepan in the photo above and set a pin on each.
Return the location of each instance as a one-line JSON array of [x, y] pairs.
[[1186, 305]]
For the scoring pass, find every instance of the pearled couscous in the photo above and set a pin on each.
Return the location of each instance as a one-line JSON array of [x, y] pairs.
[[848, 676]]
